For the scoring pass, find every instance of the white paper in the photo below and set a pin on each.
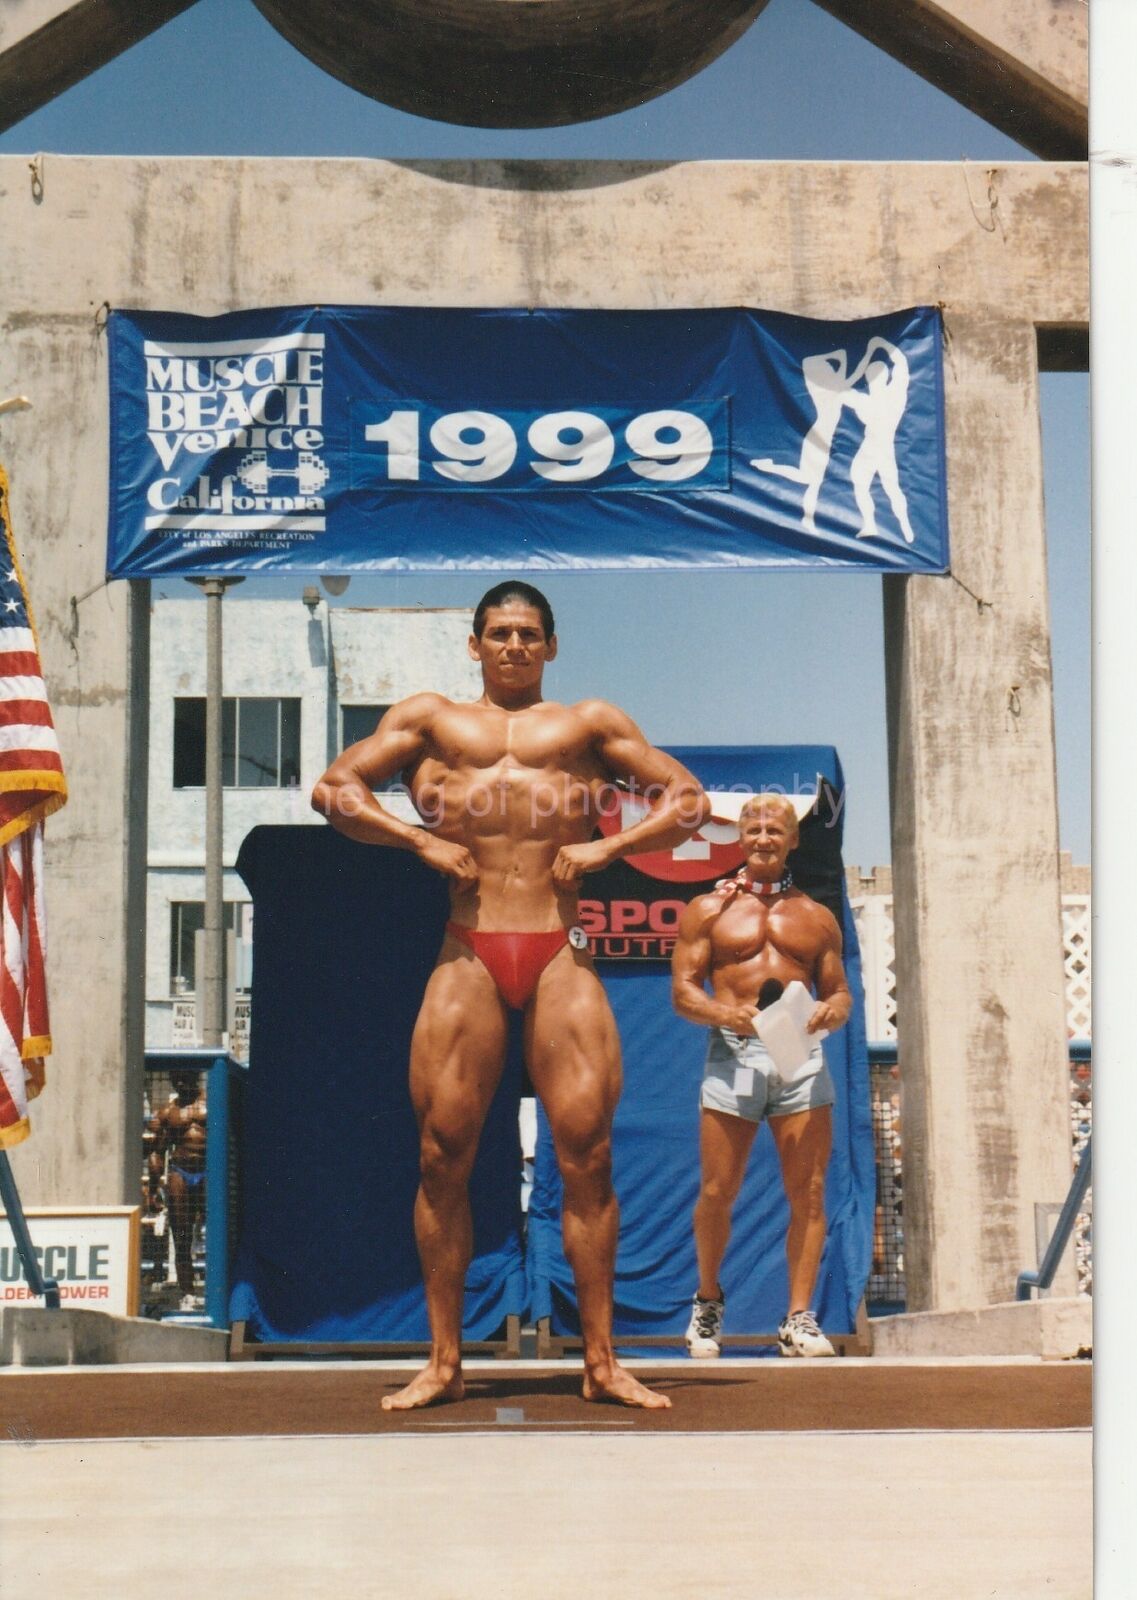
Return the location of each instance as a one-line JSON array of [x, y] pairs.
[[781, 1028]]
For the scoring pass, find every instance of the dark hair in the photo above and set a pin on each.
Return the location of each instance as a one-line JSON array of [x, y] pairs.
[[515, 590]]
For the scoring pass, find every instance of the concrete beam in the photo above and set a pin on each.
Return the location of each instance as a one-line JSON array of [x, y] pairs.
[[978, 935], [1022, 65], [497, 64], [47, 46], [829, 240]]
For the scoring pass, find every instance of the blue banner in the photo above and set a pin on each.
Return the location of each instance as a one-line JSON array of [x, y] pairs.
[[364, 439]]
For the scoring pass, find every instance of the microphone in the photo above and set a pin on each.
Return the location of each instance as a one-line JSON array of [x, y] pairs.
[[770, 991]]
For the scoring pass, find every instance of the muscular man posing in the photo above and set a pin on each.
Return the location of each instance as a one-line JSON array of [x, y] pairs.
[[510, 789], [750, 929], [179, 1128]]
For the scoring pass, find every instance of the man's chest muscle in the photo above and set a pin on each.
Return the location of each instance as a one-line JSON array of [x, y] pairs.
[[748, 928], [541, 739]]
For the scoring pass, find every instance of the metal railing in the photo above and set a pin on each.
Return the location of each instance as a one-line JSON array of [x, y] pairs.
[[48, 1288], [1043, 1277]]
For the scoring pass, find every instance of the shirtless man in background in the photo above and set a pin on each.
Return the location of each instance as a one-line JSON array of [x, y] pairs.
[[751, 929], [510, 790], [179, 1128]]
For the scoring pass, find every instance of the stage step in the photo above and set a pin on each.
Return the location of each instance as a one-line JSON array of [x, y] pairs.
[[79, 1337], [1051, 1328]]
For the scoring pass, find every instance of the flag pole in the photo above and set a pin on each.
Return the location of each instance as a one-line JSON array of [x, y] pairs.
[[37, 1283]]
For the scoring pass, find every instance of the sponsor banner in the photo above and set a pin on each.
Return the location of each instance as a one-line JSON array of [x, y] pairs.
[[186, 1035], [631, 910], [91, 1252], [353, 439], [239, 1025]]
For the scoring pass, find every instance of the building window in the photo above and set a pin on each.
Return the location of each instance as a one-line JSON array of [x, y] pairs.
[[260, 743], [187, 918], [358, 722]]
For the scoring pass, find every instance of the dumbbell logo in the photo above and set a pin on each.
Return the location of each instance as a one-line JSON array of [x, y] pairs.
[[311, 473]]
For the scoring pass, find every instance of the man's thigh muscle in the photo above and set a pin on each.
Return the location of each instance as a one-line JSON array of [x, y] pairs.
[[724, 1149], [572, 1047], [804, 1140], [458, 1046]]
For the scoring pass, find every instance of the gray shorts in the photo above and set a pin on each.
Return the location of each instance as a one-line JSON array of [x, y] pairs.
[[768, 1096]]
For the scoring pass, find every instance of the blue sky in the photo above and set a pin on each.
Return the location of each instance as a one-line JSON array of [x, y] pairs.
[[674, 649]]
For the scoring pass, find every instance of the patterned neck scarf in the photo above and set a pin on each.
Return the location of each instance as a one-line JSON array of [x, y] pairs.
[[741, 883]]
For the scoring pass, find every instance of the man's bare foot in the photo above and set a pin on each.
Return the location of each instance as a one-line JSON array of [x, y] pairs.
[[614, 1384], [431, 1387]]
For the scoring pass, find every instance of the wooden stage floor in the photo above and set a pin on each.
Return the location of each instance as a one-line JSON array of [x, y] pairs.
[[732, 1396]]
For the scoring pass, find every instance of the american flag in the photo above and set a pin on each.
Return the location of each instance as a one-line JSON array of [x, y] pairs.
[[31, 787]]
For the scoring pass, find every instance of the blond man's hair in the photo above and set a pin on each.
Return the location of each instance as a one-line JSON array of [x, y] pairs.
[[770, 802]]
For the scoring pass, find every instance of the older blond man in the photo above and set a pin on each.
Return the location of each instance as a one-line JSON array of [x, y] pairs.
[[752, 930]]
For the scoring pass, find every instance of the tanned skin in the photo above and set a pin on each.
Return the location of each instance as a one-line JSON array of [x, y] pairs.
[[511, 786], [180, 1129], [737, 948]]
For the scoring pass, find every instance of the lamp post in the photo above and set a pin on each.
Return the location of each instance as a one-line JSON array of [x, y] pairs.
[[336, 584], [211, 979]]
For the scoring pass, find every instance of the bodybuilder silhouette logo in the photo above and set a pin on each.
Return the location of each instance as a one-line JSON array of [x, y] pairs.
[[876, 392]]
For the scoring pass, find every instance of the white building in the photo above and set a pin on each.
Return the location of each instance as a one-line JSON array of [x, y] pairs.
[[301, 680]]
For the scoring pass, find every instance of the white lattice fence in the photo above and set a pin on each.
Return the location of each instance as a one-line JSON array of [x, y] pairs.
[[873, 917], [1076, 951], [872, 914], [1079, 1022]]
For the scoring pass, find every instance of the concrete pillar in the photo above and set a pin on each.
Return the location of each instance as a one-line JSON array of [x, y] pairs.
[[84, 1137], [980, 984], [136, 828]]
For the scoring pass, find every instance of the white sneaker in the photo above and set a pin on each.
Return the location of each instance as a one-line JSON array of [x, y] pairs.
[[188, 1302], [704, 1328], [799, 1335]]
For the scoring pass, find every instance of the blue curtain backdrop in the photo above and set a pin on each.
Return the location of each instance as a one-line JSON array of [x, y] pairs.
[[656, 1135], [345, 938]]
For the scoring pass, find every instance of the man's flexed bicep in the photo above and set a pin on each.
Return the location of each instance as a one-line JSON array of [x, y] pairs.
[[678, 804], [834, 999], [691, 962], [344, 793], [398, 741]]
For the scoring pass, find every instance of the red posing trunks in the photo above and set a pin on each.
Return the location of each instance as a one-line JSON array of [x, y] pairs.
[[513, 960]]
